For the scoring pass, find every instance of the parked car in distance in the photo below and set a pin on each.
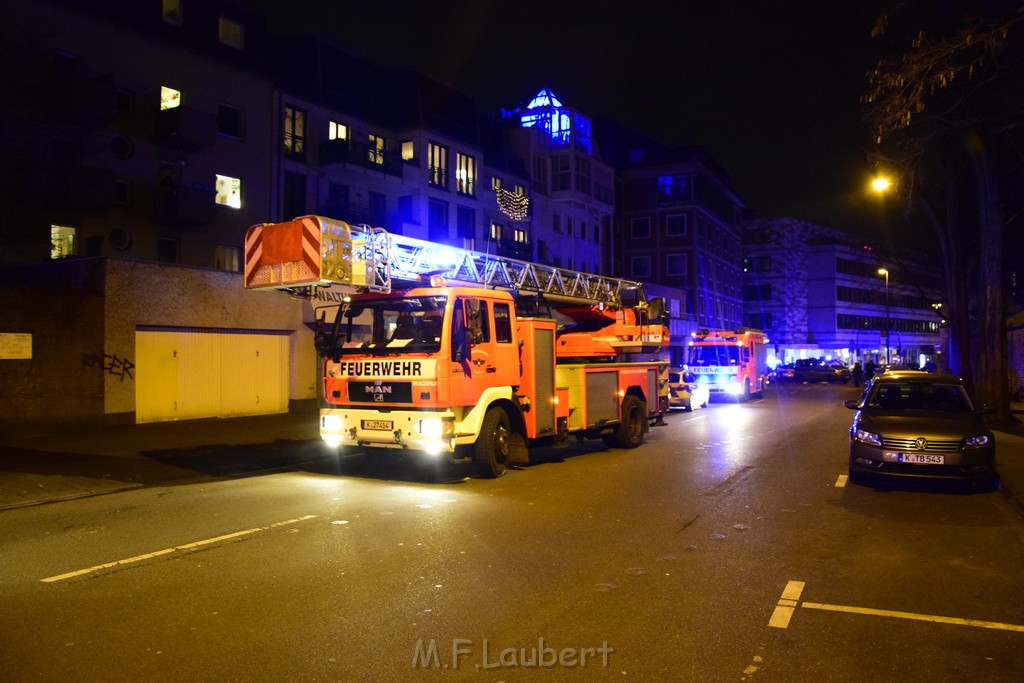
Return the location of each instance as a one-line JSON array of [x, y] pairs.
[[919, 425], [820, 370], [685, 392], [782, 373]]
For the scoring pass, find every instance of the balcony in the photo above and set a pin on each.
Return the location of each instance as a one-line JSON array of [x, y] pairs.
[[185, 129], [332, 152], [77, 99], [184, 207]]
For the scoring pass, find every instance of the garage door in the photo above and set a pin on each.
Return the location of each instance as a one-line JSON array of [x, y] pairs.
[[184, 374]]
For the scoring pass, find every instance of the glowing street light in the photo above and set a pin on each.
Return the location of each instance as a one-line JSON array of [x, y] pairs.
[[880, 184], [885, 272]]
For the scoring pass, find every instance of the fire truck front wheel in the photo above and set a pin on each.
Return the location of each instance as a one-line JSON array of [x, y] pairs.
[[494, 444], [630, 432]]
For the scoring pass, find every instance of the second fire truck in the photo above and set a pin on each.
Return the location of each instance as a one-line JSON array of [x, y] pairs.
[[730, 362], [428, 348]]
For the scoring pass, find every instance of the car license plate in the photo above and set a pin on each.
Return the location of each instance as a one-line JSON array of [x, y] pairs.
[[378, 425], [921, 459]]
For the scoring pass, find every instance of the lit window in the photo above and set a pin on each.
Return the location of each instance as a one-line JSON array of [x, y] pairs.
[[171, 12], [376, 149], [62, 242], [437, 165], [520, 236], [337, 131], [229, 191], [169, 98], [495, 184], [295, 132], [465, 174], [229, 32], [495, 231], [226, 258], [408, 150]]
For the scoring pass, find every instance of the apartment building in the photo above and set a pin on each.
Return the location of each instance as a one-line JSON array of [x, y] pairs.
[[819, 292]]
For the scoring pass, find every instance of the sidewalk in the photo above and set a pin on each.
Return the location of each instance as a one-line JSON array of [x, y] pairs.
[[42, 468]]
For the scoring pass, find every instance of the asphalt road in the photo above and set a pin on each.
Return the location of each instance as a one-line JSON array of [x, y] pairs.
[[727, 547]]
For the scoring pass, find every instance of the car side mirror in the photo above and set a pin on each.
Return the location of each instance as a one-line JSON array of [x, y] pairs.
[[852, 404]]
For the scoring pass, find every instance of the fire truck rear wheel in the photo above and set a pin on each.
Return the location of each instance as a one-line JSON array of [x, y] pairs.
[[630, 433], [494, 445]]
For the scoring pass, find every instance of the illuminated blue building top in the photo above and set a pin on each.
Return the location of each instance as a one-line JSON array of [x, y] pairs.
[[565, 126]]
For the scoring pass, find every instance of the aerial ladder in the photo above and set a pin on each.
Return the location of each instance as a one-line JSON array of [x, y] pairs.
[[522, 353]]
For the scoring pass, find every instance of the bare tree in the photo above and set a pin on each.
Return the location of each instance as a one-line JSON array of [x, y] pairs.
[[939, 114]]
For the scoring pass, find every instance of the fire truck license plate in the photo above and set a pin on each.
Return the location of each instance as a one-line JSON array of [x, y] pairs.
[[381, 425]]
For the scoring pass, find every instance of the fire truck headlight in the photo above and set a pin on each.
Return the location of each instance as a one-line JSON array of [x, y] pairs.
[[330, 423], [734, 389], [431, 427]]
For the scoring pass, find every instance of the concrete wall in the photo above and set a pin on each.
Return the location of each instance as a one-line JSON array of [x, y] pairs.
[[83, 315]]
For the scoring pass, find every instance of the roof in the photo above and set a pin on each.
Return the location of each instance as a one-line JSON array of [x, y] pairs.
[[917, 375]]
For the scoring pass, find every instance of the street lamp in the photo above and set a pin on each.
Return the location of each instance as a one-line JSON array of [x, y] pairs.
[[885, 272]]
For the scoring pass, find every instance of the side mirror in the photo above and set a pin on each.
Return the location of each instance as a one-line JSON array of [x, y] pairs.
[[852, 404]]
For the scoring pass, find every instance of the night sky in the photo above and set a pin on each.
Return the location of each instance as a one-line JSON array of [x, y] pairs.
[[771, 89]]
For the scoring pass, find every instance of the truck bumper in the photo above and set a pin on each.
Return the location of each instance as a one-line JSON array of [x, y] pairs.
[[425, 431]]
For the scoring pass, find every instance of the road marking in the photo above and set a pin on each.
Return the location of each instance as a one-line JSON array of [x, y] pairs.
[[787, 605], [841, 481], [165, 551], [917, 617], [790, 600]]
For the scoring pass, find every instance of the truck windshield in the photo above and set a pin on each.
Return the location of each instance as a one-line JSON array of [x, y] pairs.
[[391, 325], [714, 355]]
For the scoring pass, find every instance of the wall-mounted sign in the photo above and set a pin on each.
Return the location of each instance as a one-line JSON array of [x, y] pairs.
[[15, 345]]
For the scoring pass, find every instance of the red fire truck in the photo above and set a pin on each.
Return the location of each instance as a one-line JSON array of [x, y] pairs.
[[428, 348], [730, 362]]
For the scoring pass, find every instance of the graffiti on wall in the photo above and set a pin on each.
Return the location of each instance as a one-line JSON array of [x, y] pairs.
[[110, 364]]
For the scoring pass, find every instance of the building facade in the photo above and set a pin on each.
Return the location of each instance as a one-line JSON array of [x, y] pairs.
[[144, 137], [817, 292]]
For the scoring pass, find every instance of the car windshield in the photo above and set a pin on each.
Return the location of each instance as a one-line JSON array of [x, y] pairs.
[[392, 325], [934, 396]]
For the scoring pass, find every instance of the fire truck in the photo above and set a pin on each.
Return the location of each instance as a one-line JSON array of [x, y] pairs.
[[427, 348], [730, 362]]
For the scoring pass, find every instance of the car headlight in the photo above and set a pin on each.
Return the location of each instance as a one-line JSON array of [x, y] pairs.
[[330, 423], [865, 436], [976, 441]]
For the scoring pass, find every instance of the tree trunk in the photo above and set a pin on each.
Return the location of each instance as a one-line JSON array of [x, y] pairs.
[[991, 385]]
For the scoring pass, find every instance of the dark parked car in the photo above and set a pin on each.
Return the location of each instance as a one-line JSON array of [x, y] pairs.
[[820, 370], [782, 373], [918, 424]]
